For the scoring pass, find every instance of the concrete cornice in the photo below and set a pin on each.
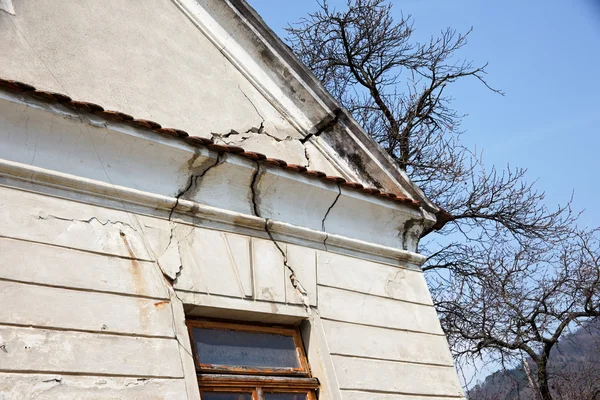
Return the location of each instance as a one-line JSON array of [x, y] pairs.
[[88, 159]]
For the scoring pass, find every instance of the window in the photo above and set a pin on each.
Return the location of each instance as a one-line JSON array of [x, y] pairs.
[[250, 362]]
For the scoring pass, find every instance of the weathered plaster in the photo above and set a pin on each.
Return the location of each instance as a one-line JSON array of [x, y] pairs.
[[16, 386], [152, 230], [204, 94], [223, 275], [7, 6], [57, 139]]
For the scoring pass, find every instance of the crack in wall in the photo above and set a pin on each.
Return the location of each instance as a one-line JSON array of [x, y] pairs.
[[86, 221], [192, 183], [327, 213], [58, 380], [253, 105], [258, 131], [307, 157], [255, 196], [254, 190], [193, 178]]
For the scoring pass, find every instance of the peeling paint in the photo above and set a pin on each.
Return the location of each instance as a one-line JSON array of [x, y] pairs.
[[411, 233], [7, 6]]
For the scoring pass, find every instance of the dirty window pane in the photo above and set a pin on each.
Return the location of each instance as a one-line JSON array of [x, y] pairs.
[[222, 347], [225, 396], [285, 396]]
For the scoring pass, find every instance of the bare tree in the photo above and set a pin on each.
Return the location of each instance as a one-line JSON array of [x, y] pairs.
[[519, 303], [499, 281], [396, 89]]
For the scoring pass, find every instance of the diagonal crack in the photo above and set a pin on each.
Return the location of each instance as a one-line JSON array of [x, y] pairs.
[[193, 181], [255, 108], [255, 207], [327, 213]]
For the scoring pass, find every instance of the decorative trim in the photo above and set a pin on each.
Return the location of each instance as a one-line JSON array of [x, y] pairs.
[[71, 183]]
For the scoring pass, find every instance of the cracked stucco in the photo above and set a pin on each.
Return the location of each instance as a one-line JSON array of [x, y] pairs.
[[42, 215], [255, 198], [174, 245], [270, 140], [327, 214]]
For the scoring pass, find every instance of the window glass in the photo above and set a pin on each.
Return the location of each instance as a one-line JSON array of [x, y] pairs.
[[223, 347], [226, 396], [285, 396]]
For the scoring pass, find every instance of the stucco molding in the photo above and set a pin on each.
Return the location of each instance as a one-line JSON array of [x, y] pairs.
[[124, 195], [87, 158]]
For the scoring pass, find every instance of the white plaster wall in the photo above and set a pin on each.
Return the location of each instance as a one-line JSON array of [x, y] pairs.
[[102, 263], [148, 60], [57, 139], [87, 312], [382, 331], [88, 282]]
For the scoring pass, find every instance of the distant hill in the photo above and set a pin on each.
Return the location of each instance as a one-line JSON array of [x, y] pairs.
[[574, 368]]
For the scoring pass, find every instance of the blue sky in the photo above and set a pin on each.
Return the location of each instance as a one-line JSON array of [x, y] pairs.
[[545, 55]]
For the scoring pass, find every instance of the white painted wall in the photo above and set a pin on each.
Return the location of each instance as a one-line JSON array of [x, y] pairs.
[[91, 237], [87, 312], [88, 296], [101, 264], [119, 53]]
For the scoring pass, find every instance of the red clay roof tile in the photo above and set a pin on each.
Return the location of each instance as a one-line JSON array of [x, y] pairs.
[[51, 96], [145, 123], [168, 131], [85, 106], [16, 85], [276, 162], [316, 174], [296, 168], [336, 179]]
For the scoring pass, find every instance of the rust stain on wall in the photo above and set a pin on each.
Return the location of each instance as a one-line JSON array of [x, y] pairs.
[[138, 282]]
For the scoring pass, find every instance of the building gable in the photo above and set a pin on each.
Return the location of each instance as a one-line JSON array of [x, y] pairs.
[[211, 68]]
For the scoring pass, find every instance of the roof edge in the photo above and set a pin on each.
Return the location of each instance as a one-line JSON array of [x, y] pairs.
[[287, 81]]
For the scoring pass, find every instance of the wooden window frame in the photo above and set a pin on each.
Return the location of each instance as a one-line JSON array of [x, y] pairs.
[[257, 381], [303, 370], [258, 392]]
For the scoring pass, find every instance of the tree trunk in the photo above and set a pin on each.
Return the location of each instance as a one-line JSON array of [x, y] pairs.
[[542, 373], [532, 384]]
